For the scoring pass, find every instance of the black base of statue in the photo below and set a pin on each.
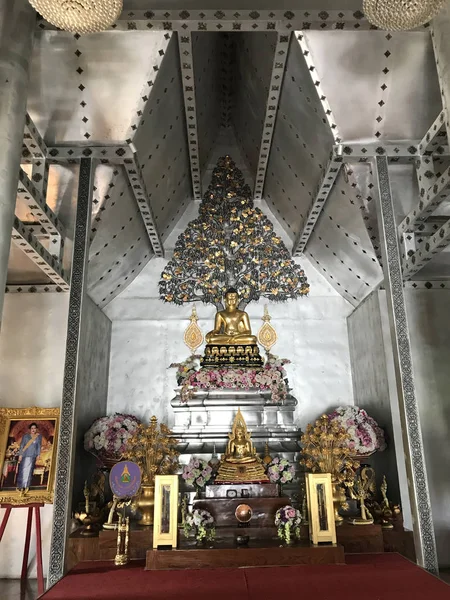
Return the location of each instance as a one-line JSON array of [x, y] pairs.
[[232, 356]]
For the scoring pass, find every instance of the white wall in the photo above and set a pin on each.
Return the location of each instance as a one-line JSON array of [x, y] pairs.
[[147, 336], [32, 354]]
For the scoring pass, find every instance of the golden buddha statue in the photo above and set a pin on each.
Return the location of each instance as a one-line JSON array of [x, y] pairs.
[[240, 463], [231, 341]]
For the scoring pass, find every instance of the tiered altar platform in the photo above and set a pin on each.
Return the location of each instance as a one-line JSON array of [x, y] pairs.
[[204, 421]]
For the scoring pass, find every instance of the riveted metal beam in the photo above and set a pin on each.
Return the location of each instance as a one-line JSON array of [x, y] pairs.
[[33, 140], [426, 250], [325, 187], [49, 264], [35, 201], [273, 98], [190, 108], [103, 154], [139, 189], [435, 137]]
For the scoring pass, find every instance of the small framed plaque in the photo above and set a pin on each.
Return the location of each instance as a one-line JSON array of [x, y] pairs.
[[165, 523], [319, 493]]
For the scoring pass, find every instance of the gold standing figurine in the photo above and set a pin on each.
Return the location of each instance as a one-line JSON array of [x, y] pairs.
[[362, 489], [231, 342], [240, 462]]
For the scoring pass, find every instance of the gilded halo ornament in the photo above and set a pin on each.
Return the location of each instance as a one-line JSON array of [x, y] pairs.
[[401, 15], [79, 16], [193, 336], [267, 336]]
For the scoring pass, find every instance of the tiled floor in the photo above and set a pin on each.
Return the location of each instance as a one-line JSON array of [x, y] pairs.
[[10, 589]]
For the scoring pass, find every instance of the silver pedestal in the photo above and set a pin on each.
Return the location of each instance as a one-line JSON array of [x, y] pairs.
[[205, 421]]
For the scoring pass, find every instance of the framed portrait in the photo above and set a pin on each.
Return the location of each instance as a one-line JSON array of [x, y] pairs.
[[165, 522], [319, 494], [28, 442]]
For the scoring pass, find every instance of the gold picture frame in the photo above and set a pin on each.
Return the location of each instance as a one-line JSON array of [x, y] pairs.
[[165, 522], [319, 492], [28, 443]]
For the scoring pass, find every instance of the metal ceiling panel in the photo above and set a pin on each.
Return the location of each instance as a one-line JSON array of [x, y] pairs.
[[244, 4], [121, 247], [207, 50], [341, 247], [161, 145], [253, 70], [379, 85], [89, 89], [301, 146]]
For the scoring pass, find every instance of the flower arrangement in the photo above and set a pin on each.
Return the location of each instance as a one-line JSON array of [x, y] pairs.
[[326, 450], [186, 368], [365, 435], [107, 437], [197, 473], [153, 448], [200, 523], [280, 470], [271, 377], [287, 521]]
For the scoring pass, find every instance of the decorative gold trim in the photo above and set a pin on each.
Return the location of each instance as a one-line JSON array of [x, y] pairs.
[[193, 336], [267, 336], [34, 413], [322, 527], [170, 537]]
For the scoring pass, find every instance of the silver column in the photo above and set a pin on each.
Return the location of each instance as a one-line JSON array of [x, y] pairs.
[[67, 429], [440, 33], [424, 539], [17, 22]]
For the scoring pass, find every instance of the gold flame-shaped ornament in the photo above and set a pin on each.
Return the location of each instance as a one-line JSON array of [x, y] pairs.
[[193, 336], [267, 336]]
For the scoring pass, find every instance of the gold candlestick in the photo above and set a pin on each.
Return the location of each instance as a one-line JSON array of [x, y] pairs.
[[123, 534]]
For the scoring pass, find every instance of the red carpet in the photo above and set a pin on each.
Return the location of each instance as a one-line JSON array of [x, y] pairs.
[[365, 576]]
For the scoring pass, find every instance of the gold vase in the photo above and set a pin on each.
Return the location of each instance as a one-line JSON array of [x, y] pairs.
[[338, 500], [146, 504]]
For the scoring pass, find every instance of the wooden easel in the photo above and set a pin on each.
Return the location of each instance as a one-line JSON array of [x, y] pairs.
[[37, 518]]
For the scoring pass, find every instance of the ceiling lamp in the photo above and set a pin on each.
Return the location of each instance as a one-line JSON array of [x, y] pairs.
[[79, 16], [398, 15]]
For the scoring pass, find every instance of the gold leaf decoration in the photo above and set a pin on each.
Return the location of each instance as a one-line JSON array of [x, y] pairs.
[[193, 336], [267, 336]]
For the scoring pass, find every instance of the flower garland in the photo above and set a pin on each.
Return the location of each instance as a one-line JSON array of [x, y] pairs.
[[107, 437], [280, 470], [272, 377], [200, 523], [197, 473], [365, 435], [287, 521]]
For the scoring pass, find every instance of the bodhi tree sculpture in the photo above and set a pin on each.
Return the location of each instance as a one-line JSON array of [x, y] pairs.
[[230, 244]]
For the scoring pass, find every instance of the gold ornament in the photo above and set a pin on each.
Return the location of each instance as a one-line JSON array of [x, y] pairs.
[[401, 15], [267, 336], [79, 16], [193, 336]]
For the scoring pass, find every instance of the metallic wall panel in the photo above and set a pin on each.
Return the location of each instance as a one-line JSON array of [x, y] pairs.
[[368, 80], [301, 145], [341, 246], [240, 4], [161, 145], [89, 89], [429, 328], [208, 72], [121, 246], [254, 61], [92, 388], [371, 385], [424, 537]]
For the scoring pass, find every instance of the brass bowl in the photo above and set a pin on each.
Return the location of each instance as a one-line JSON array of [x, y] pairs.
[[243, 513]]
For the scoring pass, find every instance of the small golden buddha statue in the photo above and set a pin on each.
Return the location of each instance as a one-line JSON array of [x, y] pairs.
[[231, 342], [240, 463]]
